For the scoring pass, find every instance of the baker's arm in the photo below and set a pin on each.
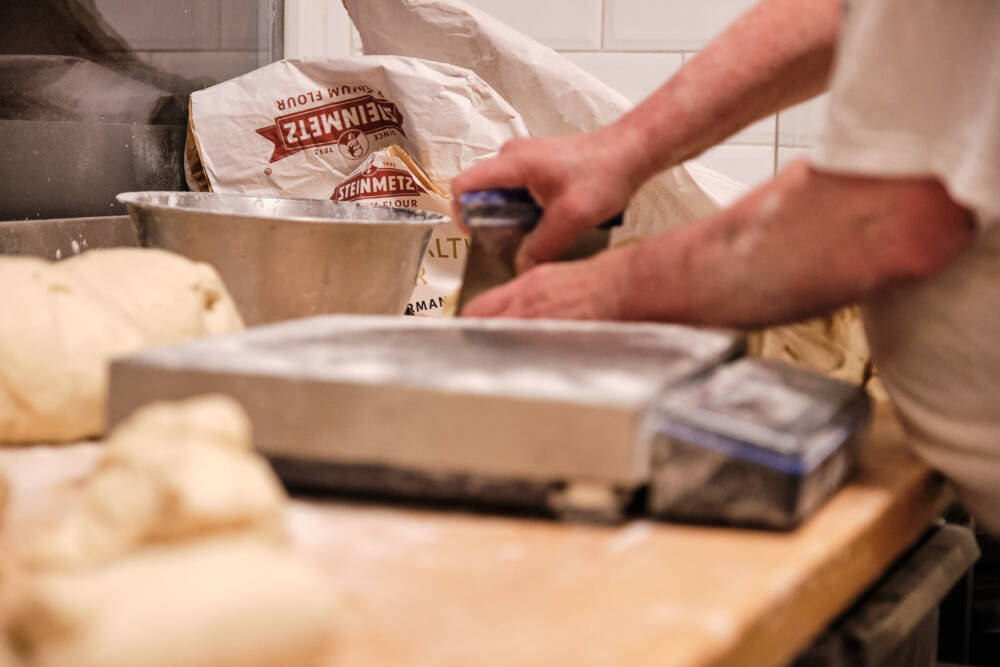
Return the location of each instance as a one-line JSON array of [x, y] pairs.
[[777, 54], [802, 244]]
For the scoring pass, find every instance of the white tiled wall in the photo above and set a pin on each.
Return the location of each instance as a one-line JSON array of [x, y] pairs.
[[204, 40], [667, 25], [317, 28], [635, 75], [561, 24], [803, 125], [632, 45]]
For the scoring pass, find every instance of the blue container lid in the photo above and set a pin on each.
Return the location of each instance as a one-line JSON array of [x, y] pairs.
[[764, 411]]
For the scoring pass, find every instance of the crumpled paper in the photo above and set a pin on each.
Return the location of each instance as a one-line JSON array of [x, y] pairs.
[[300, 127], [834, 345]]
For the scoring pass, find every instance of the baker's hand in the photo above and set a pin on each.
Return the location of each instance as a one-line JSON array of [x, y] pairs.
[[591, 289], [580, 181]]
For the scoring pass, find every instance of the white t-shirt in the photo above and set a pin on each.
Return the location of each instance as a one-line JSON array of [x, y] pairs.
[[916, 92]]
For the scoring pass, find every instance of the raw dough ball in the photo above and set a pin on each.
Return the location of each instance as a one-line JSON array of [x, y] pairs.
[[170, 471], [115, 580], [211, 603], [63, 322]]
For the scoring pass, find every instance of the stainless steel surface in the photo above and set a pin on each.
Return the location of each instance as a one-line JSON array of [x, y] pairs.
[[495, 399], [291, 258], [498, 220], [61, 169], [59, 239], [490, 263], [492, 250], [771, 405]]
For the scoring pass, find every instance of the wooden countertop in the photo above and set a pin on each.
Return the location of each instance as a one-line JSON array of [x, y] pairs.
[[427, 587]]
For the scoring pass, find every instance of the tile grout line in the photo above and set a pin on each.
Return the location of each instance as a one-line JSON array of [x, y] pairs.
[[604, 12]]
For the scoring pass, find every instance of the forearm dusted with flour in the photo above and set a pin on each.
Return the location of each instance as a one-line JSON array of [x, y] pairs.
[[777, 54], [801, 245], [581, 180]]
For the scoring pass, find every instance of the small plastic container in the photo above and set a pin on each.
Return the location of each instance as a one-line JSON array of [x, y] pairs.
[[754, 443]]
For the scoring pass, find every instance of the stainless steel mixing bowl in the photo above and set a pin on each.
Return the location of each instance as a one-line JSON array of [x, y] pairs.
[[288, 258]]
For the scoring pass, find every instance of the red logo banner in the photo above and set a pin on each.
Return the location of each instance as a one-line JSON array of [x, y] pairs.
[[375, 183], [341, 122]]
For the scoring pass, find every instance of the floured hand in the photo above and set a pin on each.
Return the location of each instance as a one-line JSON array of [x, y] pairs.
[[580, 181], [590, 289]]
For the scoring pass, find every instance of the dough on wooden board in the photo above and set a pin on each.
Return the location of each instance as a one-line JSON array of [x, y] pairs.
[[64, 321], [170, 471], [169, 554], [213, 602]]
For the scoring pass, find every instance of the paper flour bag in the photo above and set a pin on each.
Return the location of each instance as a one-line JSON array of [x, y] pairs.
[[390, 177], [300, 127]]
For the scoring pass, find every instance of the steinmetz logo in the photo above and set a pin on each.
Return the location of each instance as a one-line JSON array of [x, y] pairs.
[[342, 122], [377, 182]]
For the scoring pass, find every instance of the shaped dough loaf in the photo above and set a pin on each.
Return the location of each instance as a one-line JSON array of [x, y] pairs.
[[170, 471], [64, 321], [207, 603], [116, 580]]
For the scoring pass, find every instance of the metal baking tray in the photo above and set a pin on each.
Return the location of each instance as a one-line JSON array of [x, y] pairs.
[[518, 412]]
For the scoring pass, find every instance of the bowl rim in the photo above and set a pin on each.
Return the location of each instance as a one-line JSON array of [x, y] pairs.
[[406, 216]]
